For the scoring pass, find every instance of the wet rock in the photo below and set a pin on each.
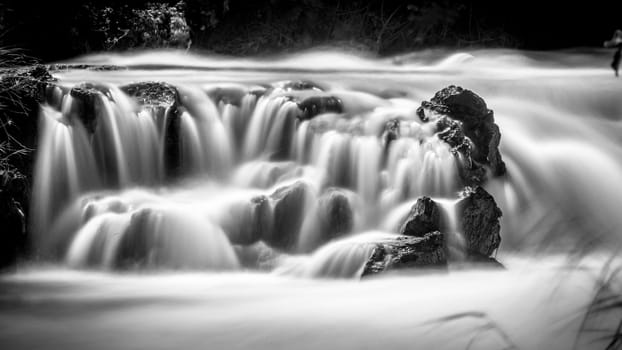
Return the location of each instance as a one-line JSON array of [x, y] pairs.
[[135, 245], [87, 109], [152, 94], [479, 218], [164, 238], [93, 67], [424, 217], [163, 100], [335, 215], [248, 222], [314, 105], [407, 252], [261, 216], [288, 210], [467, 125], [298, 85], [390, 133]]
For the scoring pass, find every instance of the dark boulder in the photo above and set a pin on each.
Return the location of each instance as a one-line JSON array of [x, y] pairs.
[[298, 85], [314, 105], [261, 216], [87, 109], [288, 212], [390, 133], [334, 214], [479, 218], [424, 217], [467, 125], [152, 94], [407, 252], [163, 100], [249, 222]]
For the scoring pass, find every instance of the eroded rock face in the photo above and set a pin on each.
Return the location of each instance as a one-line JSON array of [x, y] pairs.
[[467, 125], [152, 94], [261, 217], [163, 100], [479, 218], [314, 105], [87, 110], [335, 214], [407, 252], [424, 217], [248, 222], [288, 210], [391, 133]]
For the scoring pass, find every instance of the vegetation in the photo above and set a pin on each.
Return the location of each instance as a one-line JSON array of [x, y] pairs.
[[605, 309], [242, 27], [22, 86]]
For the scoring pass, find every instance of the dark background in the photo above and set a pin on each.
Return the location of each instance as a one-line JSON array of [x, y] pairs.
[[54, 30]]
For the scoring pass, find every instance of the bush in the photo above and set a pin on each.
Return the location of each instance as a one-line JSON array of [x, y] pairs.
[[156, 25]]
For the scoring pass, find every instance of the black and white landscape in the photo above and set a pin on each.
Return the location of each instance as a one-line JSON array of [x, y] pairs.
[[413, 176]]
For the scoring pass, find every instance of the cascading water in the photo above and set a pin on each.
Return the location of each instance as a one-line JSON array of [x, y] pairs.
[[256, 148], [232, 178]]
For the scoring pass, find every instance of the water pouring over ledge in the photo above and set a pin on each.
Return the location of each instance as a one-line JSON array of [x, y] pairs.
[[114, 191]]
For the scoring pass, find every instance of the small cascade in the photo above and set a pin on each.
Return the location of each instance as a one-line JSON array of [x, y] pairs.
[[343, 258], [352, 174], [271, 127], [151, 238], [456, 243]]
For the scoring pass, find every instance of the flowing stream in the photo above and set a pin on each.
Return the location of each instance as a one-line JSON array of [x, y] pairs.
[[137, 248]]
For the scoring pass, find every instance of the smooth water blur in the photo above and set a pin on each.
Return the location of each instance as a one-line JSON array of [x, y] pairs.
[[525, 307], [559, 115]]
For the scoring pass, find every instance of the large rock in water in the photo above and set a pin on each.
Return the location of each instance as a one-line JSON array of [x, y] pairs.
[[247, 223], [407, 252], [314, 105], [468, 126], [335, 214], [288, 212], [424, 217], [479, 216], [163, 100], [152, 94], [87, 94]]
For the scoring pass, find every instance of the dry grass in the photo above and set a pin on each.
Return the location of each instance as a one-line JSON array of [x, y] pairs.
[[14, 84], [605, 307], [484, 327]]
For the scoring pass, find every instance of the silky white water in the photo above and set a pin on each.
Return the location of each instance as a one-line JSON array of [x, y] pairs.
[[106, 201]]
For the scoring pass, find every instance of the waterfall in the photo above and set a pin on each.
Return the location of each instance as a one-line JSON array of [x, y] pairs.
[[220, 159], [238, 202]]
